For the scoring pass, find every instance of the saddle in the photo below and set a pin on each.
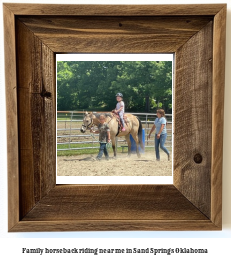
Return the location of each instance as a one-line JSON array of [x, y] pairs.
[[120, 126]]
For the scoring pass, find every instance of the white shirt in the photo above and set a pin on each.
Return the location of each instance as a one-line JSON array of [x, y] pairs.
[[119, 105]]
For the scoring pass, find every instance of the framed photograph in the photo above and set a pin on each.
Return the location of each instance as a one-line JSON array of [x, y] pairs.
[[34, 34], [87, 85]]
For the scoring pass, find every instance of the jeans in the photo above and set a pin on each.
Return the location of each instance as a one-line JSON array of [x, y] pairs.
[[160, 142], [103, 150]]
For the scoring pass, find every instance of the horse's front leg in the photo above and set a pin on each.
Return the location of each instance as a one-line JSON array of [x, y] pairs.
[[113, 145]]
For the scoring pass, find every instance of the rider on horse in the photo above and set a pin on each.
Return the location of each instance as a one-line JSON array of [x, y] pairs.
[[120, 108]]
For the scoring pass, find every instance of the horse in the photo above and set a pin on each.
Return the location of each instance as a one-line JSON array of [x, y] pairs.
[[133, 126]]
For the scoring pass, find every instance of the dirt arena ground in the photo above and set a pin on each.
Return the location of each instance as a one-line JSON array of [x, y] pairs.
[[85, 165]]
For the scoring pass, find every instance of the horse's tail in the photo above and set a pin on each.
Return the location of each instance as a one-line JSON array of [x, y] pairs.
[[140, 132]]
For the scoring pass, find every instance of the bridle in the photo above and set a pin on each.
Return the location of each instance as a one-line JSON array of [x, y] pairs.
[[91, 124], [88, 126]]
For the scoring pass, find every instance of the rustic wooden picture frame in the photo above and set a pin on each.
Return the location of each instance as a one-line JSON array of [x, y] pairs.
[[34, 33]]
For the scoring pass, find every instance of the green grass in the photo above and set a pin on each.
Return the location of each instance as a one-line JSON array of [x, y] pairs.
[[91, 151], [64, 119], [82, 151], [77, 152]]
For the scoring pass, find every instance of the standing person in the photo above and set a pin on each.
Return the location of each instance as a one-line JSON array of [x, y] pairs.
[[161, 133], [120, 108], [104, 137]]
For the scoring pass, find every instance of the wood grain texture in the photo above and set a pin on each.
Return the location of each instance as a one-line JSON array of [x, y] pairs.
[[36, 106], [193, 125], [108, 202], [113, 207], [114, 225], [194, 201], [115, 10], [114, 34], [12, 120], [218, 114]]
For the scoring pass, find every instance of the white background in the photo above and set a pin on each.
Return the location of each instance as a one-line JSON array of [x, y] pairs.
[[218, 243]]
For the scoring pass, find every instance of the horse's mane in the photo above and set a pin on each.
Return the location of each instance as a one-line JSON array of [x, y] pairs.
[[106, 114]]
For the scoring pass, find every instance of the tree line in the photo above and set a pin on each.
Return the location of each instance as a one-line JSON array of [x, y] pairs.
[[92, 85]]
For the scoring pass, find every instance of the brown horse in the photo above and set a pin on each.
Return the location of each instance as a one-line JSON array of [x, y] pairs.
[[133, 126]]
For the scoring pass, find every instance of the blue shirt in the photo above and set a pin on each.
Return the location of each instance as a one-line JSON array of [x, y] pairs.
[[158, 122]]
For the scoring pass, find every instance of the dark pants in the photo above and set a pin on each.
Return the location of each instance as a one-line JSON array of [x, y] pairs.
[[103, 150]]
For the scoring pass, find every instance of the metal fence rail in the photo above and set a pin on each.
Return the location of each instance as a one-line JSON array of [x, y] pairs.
[[69, 136]]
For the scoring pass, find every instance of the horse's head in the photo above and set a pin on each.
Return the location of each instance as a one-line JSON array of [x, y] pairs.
[[87, 122]]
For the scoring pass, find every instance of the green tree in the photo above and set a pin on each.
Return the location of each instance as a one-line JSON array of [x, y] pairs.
[[84, 85]]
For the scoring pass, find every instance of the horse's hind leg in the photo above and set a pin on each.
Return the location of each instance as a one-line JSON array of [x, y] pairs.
[[127, 137], [136, 139]]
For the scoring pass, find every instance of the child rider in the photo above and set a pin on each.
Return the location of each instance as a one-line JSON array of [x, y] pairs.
[[120, 108]]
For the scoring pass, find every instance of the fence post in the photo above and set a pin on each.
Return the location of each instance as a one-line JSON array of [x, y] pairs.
[[145, 133], [70, 130]]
